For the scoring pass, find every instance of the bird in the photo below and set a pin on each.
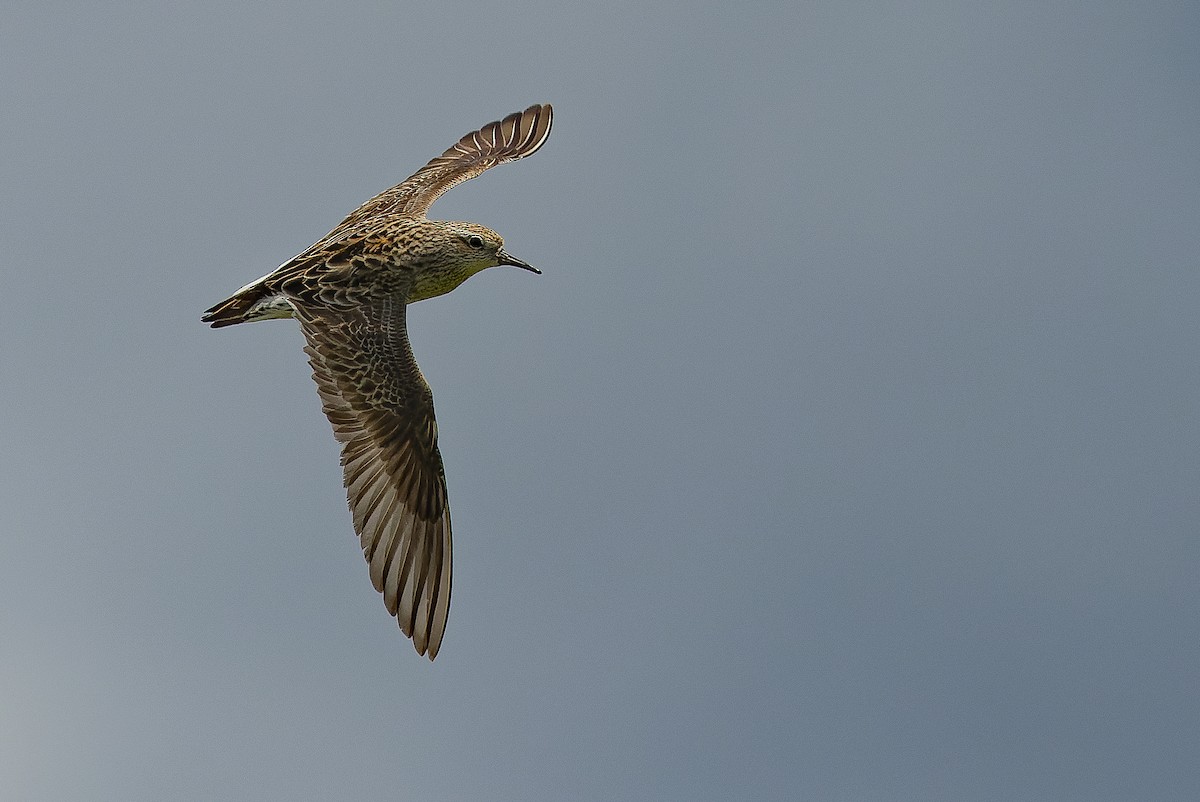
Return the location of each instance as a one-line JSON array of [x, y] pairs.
[[349, 292]]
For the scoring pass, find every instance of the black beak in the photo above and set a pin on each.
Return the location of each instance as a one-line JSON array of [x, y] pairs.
[[506, 259]]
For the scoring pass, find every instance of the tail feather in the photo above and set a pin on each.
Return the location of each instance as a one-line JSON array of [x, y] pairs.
[[252, 302], [228, 312]]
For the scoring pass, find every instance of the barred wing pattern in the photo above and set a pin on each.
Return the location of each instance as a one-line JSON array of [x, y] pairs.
[[381, 410], [518, 135]]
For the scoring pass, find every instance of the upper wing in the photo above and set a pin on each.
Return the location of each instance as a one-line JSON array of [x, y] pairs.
[[382, 413], [515, 137]]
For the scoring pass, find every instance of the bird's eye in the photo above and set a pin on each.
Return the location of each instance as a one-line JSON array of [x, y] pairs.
[[475, 241]]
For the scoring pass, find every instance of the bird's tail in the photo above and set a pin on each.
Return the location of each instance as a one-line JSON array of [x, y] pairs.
[[228, 312], [252, 302]]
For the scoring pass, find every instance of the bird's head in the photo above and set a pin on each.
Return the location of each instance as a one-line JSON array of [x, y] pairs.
[[453, 252]]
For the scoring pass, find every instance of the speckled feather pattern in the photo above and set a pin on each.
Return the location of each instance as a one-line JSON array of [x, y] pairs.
[[349, 292]]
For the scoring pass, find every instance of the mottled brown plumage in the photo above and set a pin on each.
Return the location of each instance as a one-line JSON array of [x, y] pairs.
[[349, 292]]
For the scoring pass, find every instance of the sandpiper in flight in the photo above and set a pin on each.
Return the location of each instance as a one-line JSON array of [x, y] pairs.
[[349, 292]]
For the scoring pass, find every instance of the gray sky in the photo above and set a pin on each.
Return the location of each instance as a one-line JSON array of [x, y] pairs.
[[848, 448]]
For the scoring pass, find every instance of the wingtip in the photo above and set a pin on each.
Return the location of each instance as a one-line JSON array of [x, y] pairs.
[[542, 124], [526, 131]]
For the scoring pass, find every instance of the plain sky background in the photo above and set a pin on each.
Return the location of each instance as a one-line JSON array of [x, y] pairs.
[[848, 449]]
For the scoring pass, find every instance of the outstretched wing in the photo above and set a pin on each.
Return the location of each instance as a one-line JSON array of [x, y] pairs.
[[515, 137], [382, 413]]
